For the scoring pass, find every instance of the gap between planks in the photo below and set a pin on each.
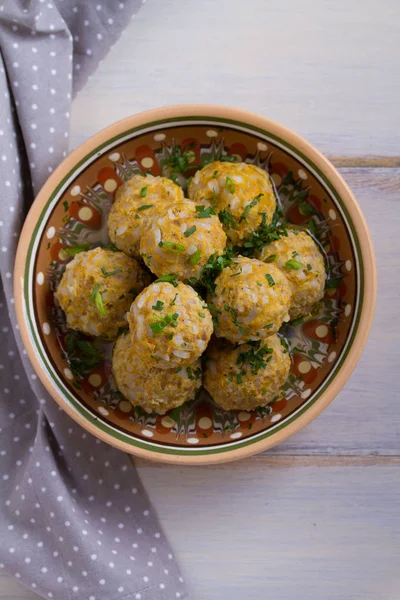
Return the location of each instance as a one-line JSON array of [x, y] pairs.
[[383, 162], [262, 461]]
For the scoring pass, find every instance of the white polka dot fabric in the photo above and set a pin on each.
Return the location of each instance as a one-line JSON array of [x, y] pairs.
[[75, 520]]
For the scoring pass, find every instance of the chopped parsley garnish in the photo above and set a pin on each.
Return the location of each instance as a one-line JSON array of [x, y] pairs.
[[190, 231], [97, 299], [82, 355], [309, 267], [143, 192], [202, 315], [213, 268], [108, 273], [195, 257], [228, 158], [265, 234], [294, 264], [179, 161], [65, 205], [111, 247], [227, 219], [173, 246], [147, 258], [171, 335], [270, 258], [158, 327], [257, 357], [214, 314], [174, 300], [214, 175], [239, 376], [204, 212], [171, 278], [74, 250], [249, 206], [193, 373], [270, 279], [145, 206], [332, 284], [229, 185], [158, 305]]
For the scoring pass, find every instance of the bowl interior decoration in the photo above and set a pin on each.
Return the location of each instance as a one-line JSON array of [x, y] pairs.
[[72, 210]]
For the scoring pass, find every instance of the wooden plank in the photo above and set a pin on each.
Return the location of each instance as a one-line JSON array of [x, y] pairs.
[[253, 531], [328, 70]]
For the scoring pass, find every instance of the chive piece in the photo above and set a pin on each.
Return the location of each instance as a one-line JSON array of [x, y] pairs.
[[171, 278], [74, 250], [202, 315], [270, 258], [229, 185], [239, 377], [158, 305], [174, 300], [97, 299], [145, 206], [108, 273], [259, 283], [158, 327], [65, 205], [153, 357], [171, 335], [227, 219], [293, 264], [214, 175], [249, 206], [238, 273], [195, 257], [270, 279], [190, 231], [173, 246], [143, 192], [203, 212], [309, 267]]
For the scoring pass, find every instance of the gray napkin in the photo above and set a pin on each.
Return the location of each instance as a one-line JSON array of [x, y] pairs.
[[74, 518]]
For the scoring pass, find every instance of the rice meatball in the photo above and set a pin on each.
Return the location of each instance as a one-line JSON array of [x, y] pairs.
[[303, 264], [181, 240], [239, 193], [97, 289], [170, 324], [247, 376], [136, 202], [251, 300], [154, 390]]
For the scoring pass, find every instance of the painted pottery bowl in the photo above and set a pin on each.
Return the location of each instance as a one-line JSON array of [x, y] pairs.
[[71, 209]]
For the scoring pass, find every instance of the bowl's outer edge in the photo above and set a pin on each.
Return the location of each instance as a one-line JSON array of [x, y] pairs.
[[367, 253]]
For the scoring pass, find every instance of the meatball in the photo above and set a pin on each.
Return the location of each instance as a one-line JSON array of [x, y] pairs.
[[241, 194], [170, 324], [244, 377], [97, 289], [136, 202], [154, 390], [303, 264], [251, 300], [181, 240]]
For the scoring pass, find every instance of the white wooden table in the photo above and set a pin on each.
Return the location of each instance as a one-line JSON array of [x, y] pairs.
[[319, 516]]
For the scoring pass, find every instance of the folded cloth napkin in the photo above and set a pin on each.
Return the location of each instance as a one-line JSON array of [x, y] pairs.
[[75, 520]]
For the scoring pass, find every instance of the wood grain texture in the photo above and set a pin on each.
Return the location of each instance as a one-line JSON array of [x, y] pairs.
[[328, 70], [291, 533]]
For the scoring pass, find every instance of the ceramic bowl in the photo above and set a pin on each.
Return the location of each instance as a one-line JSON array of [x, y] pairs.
[[71, 209]]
